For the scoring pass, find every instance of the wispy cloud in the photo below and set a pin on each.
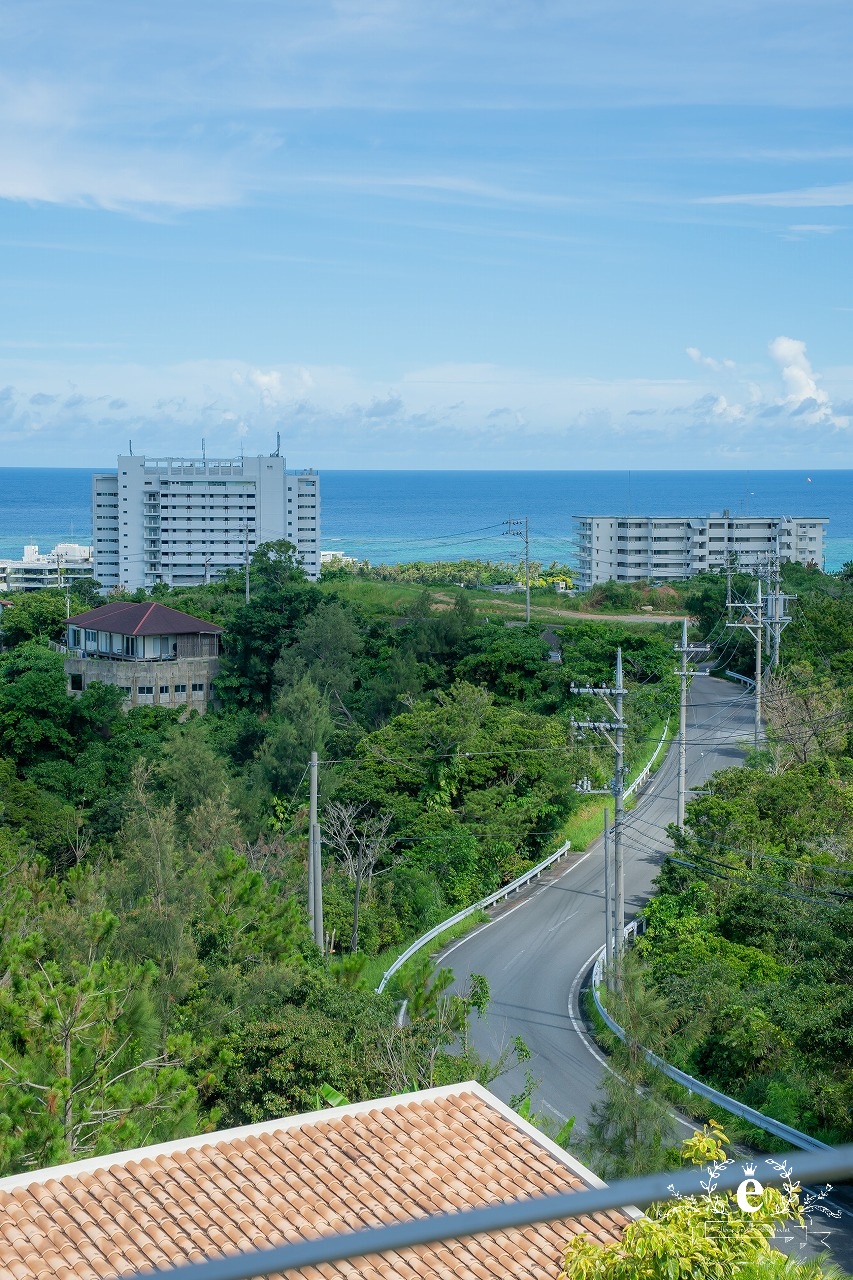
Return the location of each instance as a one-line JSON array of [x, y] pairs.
[[816, 228], [708, 361], [838, 195]]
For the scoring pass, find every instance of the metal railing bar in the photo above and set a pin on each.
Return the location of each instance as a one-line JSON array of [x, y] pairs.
[[490, 901], [835, 1165], [747, 680], [533, 874], [786, 1132]]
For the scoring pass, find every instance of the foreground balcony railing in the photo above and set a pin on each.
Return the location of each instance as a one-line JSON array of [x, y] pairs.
[[835, 1165]]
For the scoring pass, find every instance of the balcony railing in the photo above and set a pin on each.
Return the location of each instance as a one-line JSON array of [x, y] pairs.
[[835, 1165]]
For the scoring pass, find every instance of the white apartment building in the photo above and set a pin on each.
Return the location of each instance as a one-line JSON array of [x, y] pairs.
[[631, 548], [61, 567], [185, 521]]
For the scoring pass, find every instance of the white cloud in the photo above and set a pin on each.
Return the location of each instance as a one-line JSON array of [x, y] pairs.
[[441, 415], [708, 361], [797, 374], [816, 228]]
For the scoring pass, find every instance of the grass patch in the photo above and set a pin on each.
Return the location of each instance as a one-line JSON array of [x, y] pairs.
[[380, 599], [397, 600], [587, 822], [376, 966]]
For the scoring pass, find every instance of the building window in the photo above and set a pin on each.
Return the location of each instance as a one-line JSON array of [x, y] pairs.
[[180, 688], [74, 637], [91, 637], [77, 684], [198, 688], [126, 690], [145, 688], [164, 688]]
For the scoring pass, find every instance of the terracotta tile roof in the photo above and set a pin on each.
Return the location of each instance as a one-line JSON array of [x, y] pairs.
[[143, 620], [331, 1171]]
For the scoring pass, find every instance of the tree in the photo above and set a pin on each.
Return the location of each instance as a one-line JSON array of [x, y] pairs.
[[692, 1238], [326, 646], [275, 565], [35, 615], [80, 1067], [299, 724], [360, 838], [808, 713], [35, 710], [511, 661], [254, 637], [321, 1033], [631, 1126]]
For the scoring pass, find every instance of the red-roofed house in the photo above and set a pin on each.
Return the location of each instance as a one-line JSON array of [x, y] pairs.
[[366, 1164], [157, 656]]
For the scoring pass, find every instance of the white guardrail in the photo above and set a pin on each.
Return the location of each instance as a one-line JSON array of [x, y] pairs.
[[747, 680], [646, 772], [797, 1139], [533, 874]]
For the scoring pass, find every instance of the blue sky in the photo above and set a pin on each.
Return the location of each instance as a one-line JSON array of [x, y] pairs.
[[428, 233]]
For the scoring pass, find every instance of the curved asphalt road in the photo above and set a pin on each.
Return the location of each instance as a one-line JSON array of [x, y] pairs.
[[537, 949]]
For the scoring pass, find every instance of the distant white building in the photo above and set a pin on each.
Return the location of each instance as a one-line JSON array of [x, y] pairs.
[[63, 566], [632, 548], [185, 521]]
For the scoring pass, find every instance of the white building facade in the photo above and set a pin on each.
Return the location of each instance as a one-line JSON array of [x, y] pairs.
[[66, 564], [634, 548], [185, 521]]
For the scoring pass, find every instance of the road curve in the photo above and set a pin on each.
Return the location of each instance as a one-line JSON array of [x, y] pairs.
[[536, 946], [537, 949]]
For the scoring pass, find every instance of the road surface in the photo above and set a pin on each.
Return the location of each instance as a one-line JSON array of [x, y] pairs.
[[537, 949]]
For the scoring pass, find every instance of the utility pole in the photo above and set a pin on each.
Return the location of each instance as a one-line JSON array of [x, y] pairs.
[[246, 557], [753, 622], [315, 871], [514, 530], [207, 571], [608, 899], [317, 851], [686, 651], [619, 810], [614, 731], [778, 616]]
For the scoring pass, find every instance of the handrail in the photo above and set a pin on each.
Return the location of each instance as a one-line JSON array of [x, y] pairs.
[[533, 874], [639, 1193], [736, 675], [797, 1139]]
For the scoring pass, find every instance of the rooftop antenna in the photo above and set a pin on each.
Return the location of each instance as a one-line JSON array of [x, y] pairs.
[[130, 447], [277, 445], [203, 455]]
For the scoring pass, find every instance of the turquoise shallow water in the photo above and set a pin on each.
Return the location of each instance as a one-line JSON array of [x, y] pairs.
[[387, 516]]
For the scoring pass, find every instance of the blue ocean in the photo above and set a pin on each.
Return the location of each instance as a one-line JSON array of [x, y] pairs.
[[388, 516]]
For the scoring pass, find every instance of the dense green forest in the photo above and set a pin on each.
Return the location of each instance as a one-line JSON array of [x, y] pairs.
[[750, 938], [157, 975]]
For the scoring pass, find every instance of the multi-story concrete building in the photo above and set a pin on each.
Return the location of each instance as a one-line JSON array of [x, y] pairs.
[[633, 548], [157, 656], [61, 567], [185, 521]]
